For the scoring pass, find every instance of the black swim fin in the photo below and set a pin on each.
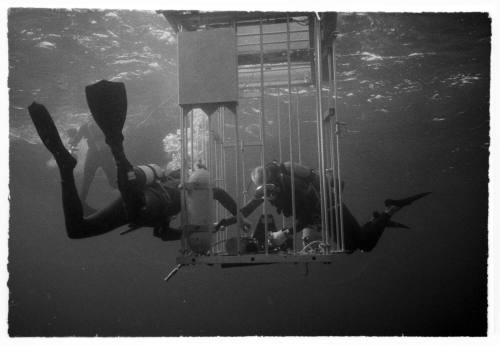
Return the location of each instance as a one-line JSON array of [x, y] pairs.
[[46, 128], [49, 135], [405, 201], [108, 104]]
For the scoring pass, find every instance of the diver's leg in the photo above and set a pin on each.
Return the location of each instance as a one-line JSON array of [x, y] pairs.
[[352, 230], [127, 183], [373, 230], [76, 225], [89, 169], [100, 222], [106, 162]]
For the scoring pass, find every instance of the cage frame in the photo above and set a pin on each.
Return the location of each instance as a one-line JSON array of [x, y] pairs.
[[322, 39]]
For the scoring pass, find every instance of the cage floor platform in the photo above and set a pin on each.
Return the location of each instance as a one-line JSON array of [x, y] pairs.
[[258, 259]]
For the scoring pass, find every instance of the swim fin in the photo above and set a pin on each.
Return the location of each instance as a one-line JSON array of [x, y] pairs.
[[108, 104], [405, 201], [49, 135]]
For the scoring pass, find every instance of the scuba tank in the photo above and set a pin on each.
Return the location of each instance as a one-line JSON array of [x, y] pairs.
[[146, 175], [199, 199]]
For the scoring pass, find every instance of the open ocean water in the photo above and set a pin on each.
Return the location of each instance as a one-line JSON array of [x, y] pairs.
[[414, 91]]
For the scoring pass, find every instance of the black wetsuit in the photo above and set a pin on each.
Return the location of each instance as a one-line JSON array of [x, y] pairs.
[[306, 198], [139, 205], [151, 206], [308, 207]]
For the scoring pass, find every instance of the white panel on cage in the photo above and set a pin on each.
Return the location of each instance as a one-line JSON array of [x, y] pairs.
[[207, 67]]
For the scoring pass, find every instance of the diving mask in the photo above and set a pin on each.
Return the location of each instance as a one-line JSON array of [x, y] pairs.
[[271, 191]]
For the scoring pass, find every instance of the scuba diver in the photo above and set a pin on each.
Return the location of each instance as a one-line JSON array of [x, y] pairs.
[[149, 198], [98, 155], [308, 206]]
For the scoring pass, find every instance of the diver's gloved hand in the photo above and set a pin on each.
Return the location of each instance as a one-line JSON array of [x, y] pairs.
[[278, 238], [243, 223]]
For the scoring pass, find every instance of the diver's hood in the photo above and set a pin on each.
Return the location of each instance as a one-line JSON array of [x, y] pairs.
[[272, 173]]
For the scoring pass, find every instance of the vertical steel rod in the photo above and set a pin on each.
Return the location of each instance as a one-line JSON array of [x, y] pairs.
[[204, 140], [319, 118], [298, 127], [334, 207], [183, 180], [280, 152], [337, 136], [220, 153], [292, 168], [223, 150], [210, 167], [237, 167], [191, 130], [209, 147], [263, 133], [216, 158], [243, 175], [217, 173]]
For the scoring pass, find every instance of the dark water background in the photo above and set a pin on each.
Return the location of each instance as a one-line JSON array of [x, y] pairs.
[[414, 92]]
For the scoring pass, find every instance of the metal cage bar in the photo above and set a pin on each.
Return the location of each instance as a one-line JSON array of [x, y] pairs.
[[183, 114], [292, 165], [334, 206], [337, 144], [263, 135], [319, 119], [237, 167], [298, 127]]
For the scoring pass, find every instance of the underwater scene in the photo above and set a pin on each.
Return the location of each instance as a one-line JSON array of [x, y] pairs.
[[413, 93]]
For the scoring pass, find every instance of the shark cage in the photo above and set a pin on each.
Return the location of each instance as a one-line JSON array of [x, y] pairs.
[[255, 88]]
